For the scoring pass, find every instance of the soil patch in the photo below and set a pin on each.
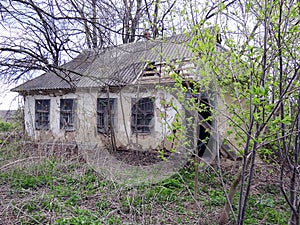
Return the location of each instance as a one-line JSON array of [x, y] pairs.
[[138, 158]]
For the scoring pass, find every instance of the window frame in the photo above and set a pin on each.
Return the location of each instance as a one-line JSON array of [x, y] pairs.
[[103, 117], [151, 70], [42, 114], [142, 116], [67, 115]]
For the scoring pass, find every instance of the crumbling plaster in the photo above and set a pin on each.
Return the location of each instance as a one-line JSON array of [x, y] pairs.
[[86, 113]]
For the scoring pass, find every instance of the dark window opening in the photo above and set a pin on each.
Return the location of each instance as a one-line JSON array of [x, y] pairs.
[[142, 115], [151, 70], [205, 122], [105, 114], [67, 114], [42, 114]]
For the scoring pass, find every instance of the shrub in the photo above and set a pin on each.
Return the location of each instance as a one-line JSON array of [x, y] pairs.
[[6, 126]]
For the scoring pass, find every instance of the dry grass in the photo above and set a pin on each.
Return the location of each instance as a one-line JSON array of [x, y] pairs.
[[52, 184]]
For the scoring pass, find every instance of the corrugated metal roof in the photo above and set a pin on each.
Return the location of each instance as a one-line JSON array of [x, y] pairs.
[[114, 66]]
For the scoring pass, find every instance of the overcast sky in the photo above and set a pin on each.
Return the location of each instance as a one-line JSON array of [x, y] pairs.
[[8, 100]]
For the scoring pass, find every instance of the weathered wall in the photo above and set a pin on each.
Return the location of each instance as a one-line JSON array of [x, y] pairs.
[[86, 123], [29, 117], [159, 131], [86, 129]]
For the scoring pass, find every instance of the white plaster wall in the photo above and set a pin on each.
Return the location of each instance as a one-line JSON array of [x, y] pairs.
[[86, 116], [159, 130], [29, 116], [86, 129], [29, 111]]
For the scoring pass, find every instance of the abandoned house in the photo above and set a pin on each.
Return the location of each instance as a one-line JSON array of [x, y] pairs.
[[119, 90]]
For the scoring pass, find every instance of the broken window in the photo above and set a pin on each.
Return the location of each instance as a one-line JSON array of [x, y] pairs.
[[151, 70], [142, 115], [105, 114], [42, 114], [67, 114]]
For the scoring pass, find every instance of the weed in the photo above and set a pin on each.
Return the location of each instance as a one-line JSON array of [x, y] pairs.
[[6, 126], [73, 199], [102, 205], [172, 183], [50, 203], [78, 220], [22, 180], [216, 198], [30, 206], [114, 220]]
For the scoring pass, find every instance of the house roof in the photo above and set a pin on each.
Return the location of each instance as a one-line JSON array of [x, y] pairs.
[[113, 66]]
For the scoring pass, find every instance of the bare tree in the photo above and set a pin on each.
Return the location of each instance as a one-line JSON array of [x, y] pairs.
[[43, 35], [34, 37]]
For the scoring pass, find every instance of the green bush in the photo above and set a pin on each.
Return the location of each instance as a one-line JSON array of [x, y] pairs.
[[6, 126]]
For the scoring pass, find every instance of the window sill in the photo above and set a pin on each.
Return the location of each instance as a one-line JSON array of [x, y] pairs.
[[142, 133], [68, 129]]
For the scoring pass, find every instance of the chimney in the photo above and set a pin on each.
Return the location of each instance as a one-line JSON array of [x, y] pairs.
[[146, 35]]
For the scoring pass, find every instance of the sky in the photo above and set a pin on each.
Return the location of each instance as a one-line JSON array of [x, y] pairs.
[[9, 100]]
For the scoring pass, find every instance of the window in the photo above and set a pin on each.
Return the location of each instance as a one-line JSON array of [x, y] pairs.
[[151, 70], [67, 114], [42, 114], [105, 114], [142, 115]]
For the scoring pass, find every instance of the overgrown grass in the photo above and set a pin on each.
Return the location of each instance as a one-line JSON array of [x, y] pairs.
[[54, 191]]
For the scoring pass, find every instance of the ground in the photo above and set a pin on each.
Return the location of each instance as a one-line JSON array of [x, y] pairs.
[[40, 184], [138, 158]]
